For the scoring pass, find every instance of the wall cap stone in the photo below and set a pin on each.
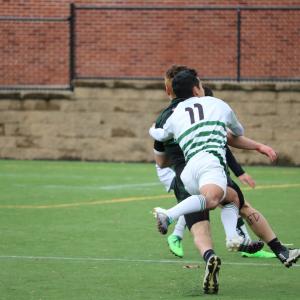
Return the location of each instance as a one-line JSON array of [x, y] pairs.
[[36, 95], [144, 85], [217, 85]]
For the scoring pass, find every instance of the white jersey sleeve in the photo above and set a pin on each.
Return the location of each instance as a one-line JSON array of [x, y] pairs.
[[166, 176], [233, 123], [163, 134]]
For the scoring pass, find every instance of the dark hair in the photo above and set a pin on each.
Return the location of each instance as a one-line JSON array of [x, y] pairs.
[[208, 91], [174, 70], [184, 82]]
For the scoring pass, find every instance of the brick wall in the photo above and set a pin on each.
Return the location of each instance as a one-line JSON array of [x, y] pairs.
[[60, 8], [128, 43]]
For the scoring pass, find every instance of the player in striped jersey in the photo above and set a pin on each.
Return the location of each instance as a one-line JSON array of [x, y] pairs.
[[285, 255], [202, 141], [167, 175]]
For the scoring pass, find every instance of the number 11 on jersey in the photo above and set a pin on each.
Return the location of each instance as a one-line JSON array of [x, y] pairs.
[[191, 111]]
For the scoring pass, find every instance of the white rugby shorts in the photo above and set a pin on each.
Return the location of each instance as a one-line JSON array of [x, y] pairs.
[[203, 168]]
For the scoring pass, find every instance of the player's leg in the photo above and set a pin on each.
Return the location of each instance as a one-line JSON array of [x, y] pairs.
[[262, 229], [242, 229], [207, 177], [257, 222], [243, 232], [175, 239], [198, 224], [229, 218], [234, 242]]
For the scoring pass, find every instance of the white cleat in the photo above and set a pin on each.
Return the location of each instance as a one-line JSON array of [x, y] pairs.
[[289, 257], [162, 219], [234, 243]]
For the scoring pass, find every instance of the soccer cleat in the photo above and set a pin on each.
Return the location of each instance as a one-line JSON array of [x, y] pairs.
[[175, 245], [234, 243], [289, 256], [163, 221], [259, 254], [251, 247], [211, 276]]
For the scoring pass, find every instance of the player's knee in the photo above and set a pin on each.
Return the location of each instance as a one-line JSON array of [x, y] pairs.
[[212, 202], [213, 194], [232, 197]]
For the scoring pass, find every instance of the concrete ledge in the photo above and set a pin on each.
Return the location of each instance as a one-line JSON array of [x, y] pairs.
[[36, 95], [144, 85]]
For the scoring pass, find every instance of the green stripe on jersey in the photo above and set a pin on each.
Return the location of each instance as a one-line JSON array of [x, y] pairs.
[[203, 134], [199, 125], [209, 143], [197, 150]]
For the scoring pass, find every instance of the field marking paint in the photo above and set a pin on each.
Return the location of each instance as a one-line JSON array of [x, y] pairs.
[[130, 199], [96, 202], [93, 187], [127, 260], [272, 186]]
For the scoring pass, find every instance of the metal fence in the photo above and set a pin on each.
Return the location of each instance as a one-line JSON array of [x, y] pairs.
[[130, 42]]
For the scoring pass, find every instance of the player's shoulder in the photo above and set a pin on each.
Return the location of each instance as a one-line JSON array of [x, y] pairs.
[[165, 114], [216, 101], [211, 98], [187, 102]]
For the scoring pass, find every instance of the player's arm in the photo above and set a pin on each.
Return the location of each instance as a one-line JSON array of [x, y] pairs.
[[160, 134], [166, 177], [242, 142], [164, 173], [236, 139], [233, 123], [238, 170], [160, 156], [233, 164]]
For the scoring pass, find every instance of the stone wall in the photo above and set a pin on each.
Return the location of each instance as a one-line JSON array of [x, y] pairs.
[[109, 120]]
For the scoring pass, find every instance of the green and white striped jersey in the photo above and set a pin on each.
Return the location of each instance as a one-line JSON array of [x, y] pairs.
[[200, 124]]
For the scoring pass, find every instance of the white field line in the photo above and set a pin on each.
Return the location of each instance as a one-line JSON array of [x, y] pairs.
[[141, 185], [146, 261], [92, 187]]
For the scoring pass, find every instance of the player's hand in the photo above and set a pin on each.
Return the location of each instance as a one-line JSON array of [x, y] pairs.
[[268, 151], [247, 179]]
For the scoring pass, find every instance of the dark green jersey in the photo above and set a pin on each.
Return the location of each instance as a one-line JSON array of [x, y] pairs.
[[170, 148]]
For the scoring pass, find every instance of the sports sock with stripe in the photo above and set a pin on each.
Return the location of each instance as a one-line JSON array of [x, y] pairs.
[[179, 227], [189, 205], [229, 217], [207, 254]]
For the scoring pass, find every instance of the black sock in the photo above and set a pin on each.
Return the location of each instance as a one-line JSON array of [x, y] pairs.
[[276, 246], [207, 254]]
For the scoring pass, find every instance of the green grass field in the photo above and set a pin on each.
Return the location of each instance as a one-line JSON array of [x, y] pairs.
[[79, 230]]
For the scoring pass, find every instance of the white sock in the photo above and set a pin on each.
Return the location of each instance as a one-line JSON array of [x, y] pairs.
[[245, 231], [179, 227], [191, 204], [229, 217]]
